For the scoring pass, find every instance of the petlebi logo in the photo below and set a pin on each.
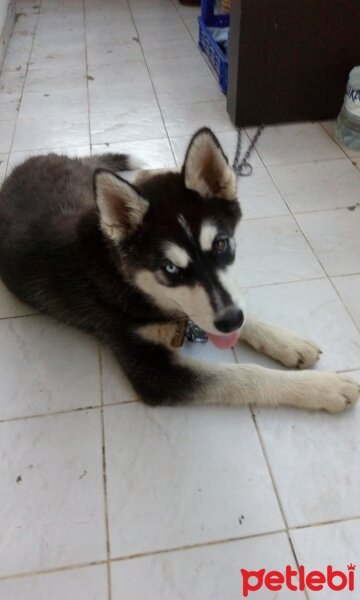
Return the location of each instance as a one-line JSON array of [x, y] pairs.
[[294, 580]]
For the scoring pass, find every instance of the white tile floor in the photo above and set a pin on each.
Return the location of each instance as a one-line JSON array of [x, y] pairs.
[[102, 498]]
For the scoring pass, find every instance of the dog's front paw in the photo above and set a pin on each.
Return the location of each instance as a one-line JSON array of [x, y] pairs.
[[293, 350], [300, 353], [333, 392]]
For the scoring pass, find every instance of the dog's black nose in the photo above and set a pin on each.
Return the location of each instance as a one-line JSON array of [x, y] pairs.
[[230, 320]]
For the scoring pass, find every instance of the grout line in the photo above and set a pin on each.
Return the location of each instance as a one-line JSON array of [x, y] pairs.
[[184, 548], [152, 83], [202, 54], [305, 162], [270, 471], [199, 545], [87, 73], [73, 410], [23, 85], [103, 446], [140, 555], [345, 306], [50, 414], [20, 317], [333, 138], [329, 277], [325, 523]]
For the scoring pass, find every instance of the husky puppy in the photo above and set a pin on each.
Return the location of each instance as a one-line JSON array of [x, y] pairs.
[[130, 263]]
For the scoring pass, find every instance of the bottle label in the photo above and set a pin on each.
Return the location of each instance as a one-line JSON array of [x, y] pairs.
[[352, 99]]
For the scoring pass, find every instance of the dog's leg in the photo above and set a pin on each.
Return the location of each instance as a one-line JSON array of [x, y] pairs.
[[162, 376], [290, 349]]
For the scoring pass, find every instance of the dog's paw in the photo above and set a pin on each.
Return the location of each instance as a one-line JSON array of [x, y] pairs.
[[293, 350], [300, 353], [330, 391]]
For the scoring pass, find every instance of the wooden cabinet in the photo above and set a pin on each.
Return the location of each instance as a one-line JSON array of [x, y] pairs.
[[289, 60]]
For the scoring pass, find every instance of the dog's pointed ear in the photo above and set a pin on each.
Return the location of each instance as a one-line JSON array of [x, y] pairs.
[[120, 206], [206, 169]]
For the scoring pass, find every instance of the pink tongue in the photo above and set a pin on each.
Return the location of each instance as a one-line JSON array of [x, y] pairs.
[[224, 341]]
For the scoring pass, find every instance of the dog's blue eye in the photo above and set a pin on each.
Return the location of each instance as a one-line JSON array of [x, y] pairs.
[[170, 268]]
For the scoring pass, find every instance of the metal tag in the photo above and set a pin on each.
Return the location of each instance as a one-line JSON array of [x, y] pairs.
[[179, 336], [195, 334]]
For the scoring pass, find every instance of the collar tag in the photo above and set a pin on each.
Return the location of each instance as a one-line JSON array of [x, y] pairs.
[[179, 336]]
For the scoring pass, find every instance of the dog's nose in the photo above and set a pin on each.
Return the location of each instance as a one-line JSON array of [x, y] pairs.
[[230, 320]]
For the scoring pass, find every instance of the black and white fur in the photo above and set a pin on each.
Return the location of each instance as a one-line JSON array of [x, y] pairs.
[[126, 261]]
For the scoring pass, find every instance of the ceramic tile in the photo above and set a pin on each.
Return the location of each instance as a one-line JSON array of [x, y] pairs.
[[116, 387], [121, 89], [311, 308], [203, 573], [50, 38], [127, 125], [319, 185], [119, 27], [311, 459], [189, 117], [128, 97], [52, 490], [183, 461], [131, 75], [11, 81], [336, 544], [50, 132], [349, 290], [9, 106], [63, 56], [155, 154], [155, 49], [259, 196], [6, 134], [3, 165], [163, 30], [105, 52], [173, 68], [199, 88], [11, 306], [47, 367], [18, 52], [329, 126], [298, 142], [68, 103], [80, 584], [107, 16], [27, 19], [334, 238], [60, 22], [228, 141], [274, 251], [152, 18], [55, 79]]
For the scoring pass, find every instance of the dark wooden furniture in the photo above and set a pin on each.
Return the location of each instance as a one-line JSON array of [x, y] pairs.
[[289, 59]]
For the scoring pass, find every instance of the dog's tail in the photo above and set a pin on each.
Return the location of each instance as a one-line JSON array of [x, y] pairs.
[[114, 162]]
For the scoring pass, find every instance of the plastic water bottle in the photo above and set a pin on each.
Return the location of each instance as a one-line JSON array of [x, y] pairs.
[[348, 122]]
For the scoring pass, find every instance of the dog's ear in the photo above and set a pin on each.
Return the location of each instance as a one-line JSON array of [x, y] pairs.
[[120, 206], [206, 169]]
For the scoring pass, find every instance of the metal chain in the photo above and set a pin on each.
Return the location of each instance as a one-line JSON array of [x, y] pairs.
[[243, 167]]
